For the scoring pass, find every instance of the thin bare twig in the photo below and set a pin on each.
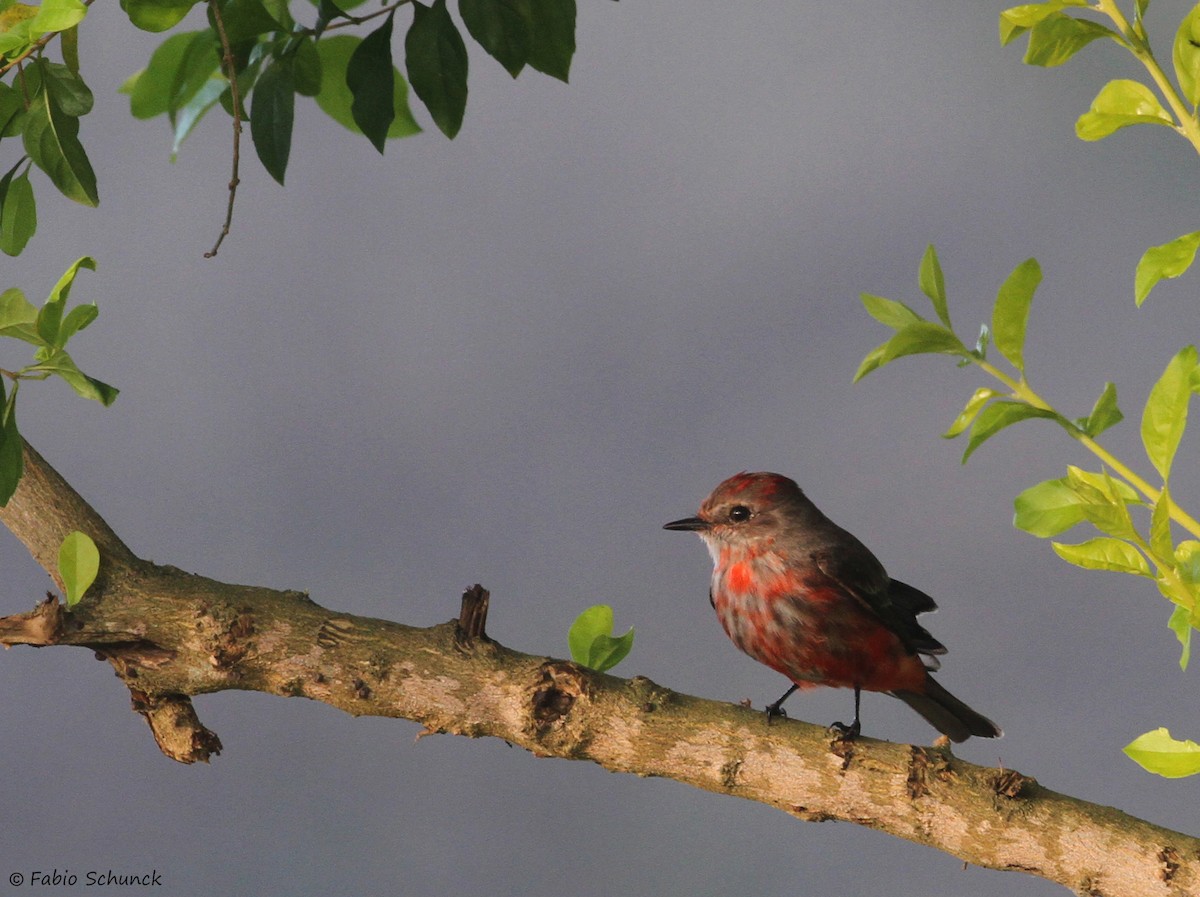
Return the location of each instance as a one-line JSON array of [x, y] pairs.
[[230, 73]]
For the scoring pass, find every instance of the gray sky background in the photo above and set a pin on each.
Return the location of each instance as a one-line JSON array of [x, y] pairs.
[[510, 358]]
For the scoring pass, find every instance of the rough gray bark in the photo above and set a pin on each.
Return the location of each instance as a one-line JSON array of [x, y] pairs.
[[170, 634]]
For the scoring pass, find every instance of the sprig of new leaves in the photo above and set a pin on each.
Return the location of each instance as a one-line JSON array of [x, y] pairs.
[[1102, 498], [1056, 33], [591, 641], [48, 329]]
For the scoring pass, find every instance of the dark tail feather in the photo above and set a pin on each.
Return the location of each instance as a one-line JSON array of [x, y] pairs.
[[948, 714]]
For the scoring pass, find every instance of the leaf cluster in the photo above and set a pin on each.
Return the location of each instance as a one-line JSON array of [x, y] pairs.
[[43, 108], [48, 329], [273, 53], [277, 55]]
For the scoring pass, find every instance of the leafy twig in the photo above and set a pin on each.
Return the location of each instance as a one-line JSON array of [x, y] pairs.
[[36, 47], [1139, 46], [358, 20]]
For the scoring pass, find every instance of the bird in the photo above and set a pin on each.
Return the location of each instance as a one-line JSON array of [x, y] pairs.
[[803, 596]]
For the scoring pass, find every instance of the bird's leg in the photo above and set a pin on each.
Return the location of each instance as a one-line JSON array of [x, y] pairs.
[[776, 709], [852, 731]]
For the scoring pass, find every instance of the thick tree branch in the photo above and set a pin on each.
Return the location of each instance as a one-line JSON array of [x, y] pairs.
[[45, 509], [171, 634]]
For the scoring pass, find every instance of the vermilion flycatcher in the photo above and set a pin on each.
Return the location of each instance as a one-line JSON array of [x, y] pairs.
[[800, 594]]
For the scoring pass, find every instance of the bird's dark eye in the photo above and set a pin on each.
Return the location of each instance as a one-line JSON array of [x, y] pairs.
[[738, 513]]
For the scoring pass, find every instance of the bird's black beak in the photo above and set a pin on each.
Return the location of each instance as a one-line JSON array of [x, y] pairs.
[[688, 524]]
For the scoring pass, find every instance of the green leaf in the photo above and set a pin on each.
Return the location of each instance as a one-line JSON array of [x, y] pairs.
[[553, 37], [923, 337], [12, 111], [1018, 19], [1187, 565], [78, 564], [369, 77], [15, 310], [335, 98], [873, 360], [1010, 316], [591, 642], [198, 68], [156, 15], [62, 289], [1160, 527], [12, 456], [1165, 414], [150, 89], [24, 332], [1105, 413], [888, 312], [58, 15], [504, 28], [187, 116], [1168, 260], [1177, 589], [1057, 37], [278, 10], [1102, 503], [920, 337], [50, 317], [271, 116], [596, 620], [1159, 753], [1181, 623], [974, 405], [78, 318], [933, 284], [18, 212], [1104, 553], [1102, 483], [995, 417], [1186, 56], [437, 65], [71, 95], [52, 142], [59, 362], [306, 68], [606, 652], [69, 44], [1047, 509], [1118, 105]]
